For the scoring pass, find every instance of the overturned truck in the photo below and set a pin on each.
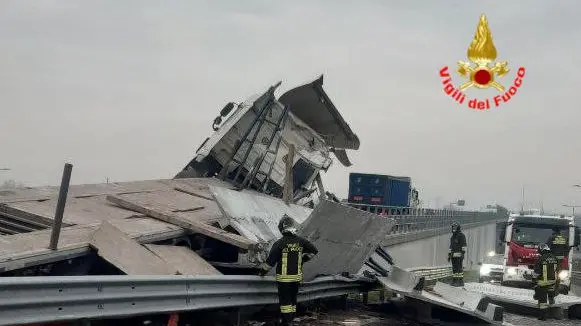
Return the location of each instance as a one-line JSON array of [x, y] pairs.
[[251, 140], [218, 215]]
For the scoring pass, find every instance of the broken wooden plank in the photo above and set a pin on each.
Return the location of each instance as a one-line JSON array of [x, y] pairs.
[[194, 192], [28, 249], [169, 199], [194, 226], [79, 211], [183, 259], [82, 191], [127, 254]]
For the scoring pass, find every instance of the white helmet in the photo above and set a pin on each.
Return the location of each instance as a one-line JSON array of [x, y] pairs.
[[287, 225]]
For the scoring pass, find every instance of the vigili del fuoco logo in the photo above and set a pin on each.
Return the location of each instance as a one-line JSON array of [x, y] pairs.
[[482, 72]]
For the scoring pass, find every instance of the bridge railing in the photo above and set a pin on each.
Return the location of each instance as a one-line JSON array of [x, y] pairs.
[[410, 219]]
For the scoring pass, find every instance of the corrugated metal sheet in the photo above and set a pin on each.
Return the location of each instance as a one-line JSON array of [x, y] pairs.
[[254, 215], [345, 237]]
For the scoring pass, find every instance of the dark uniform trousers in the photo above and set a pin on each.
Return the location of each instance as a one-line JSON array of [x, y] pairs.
[[287, 299], [457, 270], [545, 290], [456, 255]]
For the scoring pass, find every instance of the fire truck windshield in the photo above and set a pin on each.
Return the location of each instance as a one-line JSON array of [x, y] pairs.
[[532, 235]]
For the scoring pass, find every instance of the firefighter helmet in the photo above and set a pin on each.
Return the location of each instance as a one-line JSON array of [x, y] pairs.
[[287, 225], [544, 248], [455, 227]]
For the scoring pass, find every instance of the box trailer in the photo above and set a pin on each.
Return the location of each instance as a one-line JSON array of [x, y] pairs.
[[377, 189]]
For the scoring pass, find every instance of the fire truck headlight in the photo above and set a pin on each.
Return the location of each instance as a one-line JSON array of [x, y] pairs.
[[563, 275], [485, 270], [511, 271]]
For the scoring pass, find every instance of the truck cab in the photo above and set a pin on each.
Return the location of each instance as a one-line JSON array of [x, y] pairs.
[[252, 139], [521, 236]]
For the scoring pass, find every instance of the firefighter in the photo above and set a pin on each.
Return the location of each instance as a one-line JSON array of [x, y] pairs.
[[546, 271], [288, 253], [559, 245], [456, 254]]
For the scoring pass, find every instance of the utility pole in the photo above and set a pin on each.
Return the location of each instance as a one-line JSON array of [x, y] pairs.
[[522, 203]]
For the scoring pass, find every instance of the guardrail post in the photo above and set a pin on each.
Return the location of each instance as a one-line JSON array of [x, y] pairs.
[[60, 207]]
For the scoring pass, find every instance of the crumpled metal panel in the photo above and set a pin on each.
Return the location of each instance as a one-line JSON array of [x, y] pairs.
[[341, 155], [345, 237], [254, 215], [311, 104]]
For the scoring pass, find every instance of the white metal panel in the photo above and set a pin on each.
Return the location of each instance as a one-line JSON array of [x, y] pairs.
[[254, 215]]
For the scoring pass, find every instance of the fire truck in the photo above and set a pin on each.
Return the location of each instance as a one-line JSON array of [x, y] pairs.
[[522, 234]]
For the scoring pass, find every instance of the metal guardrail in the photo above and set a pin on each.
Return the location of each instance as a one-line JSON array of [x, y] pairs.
[[408, 219], [412, 211], [432, 273], [27, 300]]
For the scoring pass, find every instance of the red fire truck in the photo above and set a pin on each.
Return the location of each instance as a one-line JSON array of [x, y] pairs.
[[522, 234]]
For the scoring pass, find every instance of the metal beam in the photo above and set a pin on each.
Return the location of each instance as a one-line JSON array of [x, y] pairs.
[[60, 207]]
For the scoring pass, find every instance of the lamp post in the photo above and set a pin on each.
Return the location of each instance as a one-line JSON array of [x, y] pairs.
[[572, 207]]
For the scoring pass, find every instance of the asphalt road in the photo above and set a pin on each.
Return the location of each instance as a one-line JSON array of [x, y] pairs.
[[518, 320]]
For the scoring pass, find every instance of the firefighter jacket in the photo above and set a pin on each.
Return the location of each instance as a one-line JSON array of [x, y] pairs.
[[547, 269], [457, 245], [287, 254], [559, 245]]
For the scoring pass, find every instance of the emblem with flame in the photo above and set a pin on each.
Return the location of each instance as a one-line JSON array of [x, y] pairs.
[[482, 71]]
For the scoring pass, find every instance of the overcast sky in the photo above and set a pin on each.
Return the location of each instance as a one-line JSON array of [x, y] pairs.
[[128, 89]]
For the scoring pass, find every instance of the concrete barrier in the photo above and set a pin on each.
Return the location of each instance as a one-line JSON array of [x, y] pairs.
[[474, 302], [459, 296], [401, 281], [410, 286], [504, 295]]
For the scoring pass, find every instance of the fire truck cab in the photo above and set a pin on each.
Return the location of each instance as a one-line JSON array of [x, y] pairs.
[[522, 234]]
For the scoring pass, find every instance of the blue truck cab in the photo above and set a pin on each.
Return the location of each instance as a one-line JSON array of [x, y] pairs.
[[377, 189]]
